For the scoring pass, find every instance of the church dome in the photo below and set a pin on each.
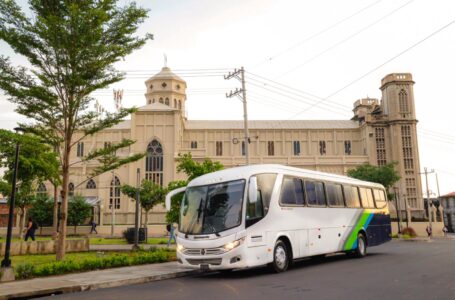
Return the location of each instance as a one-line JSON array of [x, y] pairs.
[[165, 73]]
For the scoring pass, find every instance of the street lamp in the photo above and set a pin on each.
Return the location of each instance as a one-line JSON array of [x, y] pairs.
[[6, 262]]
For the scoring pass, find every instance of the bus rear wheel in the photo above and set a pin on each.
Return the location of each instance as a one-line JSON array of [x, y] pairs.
[[361, 250], [281, 257]]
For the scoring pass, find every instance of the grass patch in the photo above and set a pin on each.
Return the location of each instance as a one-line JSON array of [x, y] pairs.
[[29, 266]]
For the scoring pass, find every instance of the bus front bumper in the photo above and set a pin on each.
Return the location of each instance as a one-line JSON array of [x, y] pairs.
[[203, 259]]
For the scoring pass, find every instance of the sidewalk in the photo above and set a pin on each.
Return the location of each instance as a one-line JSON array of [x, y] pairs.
[[92, 280]]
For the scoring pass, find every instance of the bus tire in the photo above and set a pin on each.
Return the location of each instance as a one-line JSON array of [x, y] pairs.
[[361, 250], [281, 257]]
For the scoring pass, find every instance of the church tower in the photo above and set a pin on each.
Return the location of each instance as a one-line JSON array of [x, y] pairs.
[[396, 137], [166, 88]]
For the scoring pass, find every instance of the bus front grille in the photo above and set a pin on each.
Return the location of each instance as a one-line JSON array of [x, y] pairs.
[[202, 261], [209, 251]]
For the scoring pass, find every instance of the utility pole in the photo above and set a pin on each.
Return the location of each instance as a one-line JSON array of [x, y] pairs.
[[136, 213], [240, 75], [396, 190], [437, 184], [113, 204], [429, 204]]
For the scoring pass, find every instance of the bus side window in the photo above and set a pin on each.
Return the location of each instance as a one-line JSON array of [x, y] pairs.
[[370, 198], [363, 197], [334, 195], [315, 193], [351, 194], [292, 191], [379, 198]]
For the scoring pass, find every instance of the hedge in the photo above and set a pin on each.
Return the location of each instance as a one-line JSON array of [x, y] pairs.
[[27, 270]]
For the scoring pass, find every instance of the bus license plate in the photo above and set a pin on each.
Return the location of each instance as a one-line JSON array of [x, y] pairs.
[[205, 267]]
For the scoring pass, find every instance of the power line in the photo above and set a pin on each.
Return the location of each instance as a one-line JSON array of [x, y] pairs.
[[345, 39], [378, 67], [316, 34]]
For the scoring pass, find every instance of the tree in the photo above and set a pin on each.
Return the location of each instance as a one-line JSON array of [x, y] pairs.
[[150, 193], [42, 211], [71, 47], [385, 175], [192, 169], [36, 163], [78, 211]]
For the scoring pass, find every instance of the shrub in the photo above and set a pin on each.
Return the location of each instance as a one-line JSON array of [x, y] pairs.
[[395, 235], [408, 231], [25, 271]]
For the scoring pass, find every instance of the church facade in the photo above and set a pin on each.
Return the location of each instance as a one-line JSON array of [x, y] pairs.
[[380, 131]]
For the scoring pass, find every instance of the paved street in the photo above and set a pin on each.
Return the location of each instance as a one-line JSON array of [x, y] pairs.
[[397, 270]]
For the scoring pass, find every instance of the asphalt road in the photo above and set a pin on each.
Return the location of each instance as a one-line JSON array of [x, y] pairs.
[[396, 270]]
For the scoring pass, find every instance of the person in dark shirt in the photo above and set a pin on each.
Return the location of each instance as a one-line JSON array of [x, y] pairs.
[[31, 228]]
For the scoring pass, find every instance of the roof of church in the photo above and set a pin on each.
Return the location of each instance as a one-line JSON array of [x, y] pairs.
[[156, 107], [449, 195], [272, 124], [165, 73]]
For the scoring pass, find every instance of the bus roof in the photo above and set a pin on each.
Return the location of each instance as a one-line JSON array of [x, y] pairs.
[[247, 171]]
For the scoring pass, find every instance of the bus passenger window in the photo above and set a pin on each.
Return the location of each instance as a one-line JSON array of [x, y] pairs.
[[370, 198], [367, 197], [334, 195], [351, 194], [292, 191], [379, 198], [315, 193]]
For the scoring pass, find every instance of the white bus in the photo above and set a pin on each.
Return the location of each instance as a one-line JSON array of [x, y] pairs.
[[271, 214]]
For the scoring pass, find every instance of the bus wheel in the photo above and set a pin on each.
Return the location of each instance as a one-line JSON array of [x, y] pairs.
[[280, 257], [361, 249]]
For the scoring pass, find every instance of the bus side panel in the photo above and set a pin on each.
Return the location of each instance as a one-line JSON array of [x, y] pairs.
[[379, 230]]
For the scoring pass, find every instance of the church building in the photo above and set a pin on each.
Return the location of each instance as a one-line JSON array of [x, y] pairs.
[[380, 131]]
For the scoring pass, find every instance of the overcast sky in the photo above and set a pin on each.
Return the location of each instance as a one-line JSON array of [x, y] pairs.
[[326, 48]]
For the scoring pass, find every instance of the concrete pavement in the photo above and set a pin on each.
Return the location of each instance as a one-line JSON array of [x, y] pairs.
[[92, 280]]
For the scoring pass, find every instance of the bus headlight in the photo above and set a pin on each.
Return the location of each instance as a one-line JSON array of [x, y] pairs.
[[234, 244], [180, 248]]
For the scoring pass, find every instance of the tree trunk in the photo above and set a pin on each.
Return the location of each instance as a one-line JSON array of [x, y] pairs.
[[21, 222], [145, 225], [55, 215], [64, 206]]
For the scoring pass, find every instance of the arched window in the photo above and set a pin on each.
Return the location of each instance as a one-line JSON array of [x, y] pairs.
[[403, 101], [150, 101], [114, 193], [175, 103], [166, 101], [71, 189], [41, 189], [180, 104], [154, 163], [153, 100], [161, 100], [91, 184]]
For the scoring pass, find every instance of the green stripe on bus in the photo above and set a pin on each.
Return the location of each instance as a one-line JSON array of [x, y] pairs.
[[353, 236]]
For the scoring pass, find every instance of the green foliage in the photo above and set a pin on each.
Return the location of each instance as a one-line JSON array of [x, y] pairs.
[[27, 270], [151, 194], [195, 169], [385, 175], [78, 211], [172, 216], [42, 210]]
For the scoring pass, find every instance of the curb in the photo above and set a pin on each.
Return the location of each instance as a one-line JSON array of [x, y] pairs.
[[71, 288]]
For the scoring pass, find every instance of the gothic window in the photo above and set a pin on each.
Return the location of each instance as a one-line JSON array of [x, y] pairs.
[[91, 184], [114, 193], [347, 148], [175, 103], [380, 146], [41, 189], [219, 148], [80, 149], [407, 147], [164, 85], [243, 148], [154, 163], [180, 104], [153, 100], [71, 189], [296, 148], [403, 101], [193, 144], [161, 100], [322, 148], [166, 101], [151, 86], [150, 101], [271, 148]]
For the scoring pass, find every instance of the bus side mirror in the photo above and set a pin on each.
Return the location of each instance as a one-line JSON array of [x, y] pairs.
[[253, 190], [167, 201]]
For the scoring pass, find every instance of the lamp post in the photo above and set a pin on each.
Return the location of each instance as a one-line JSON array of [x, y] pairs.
[[136, 213], [6, 262]]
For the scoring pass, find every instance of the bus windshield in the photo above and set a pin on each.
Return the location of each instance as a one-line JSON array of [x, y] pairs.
[[212, 208]]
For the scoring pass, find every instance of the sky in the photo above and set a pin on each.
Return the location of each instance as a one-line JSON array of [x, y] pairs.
[[303, 60]]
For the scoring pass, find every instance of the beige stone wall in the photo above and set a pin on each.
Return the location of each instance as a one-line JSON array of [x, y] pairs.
[[45, 247]]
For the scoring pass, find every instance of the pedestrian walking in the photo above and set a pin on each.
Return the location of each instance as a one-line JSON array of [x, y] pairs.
[[429, 231], [170, 228], [93, 228], [32, 226], [445, 230]]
